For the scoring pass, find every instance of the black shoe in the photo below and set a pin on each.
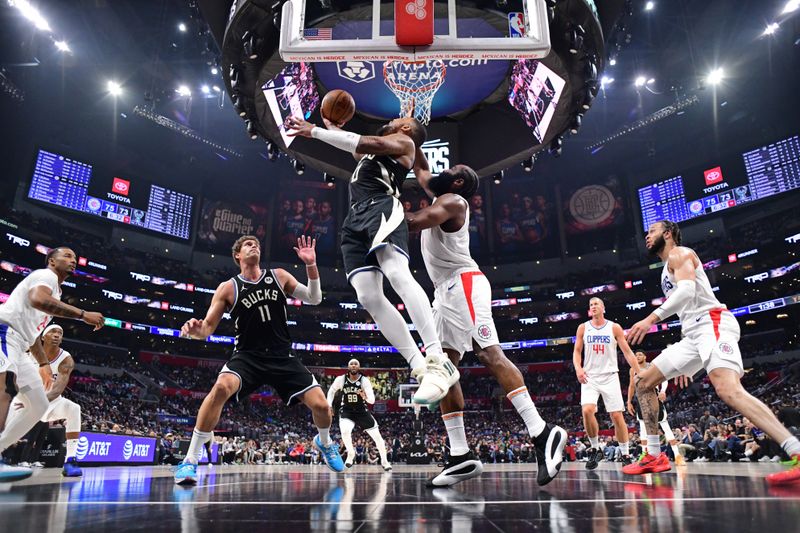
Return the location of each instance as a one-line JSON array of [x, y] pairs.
[[457, 469], [595, 456], [626, 460], [549, 447]]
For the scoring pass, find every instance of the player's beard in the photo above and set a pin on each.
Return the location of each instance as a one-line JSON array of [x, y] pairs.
[[658, 245], [384, 130]]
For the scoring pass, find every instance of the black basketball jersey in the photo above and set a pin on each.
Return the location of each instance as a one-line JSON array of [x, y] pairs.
[[259, 314], [376, 175], [352, 402]]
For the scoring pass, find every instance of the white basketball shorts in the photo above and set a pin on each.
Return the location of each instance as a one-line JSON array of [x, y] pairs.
[[462, 311], [710, 341], [607, 386]]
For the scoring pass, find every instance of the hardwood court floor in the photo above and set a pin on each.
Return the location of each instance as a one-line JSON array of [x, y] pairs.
[[249, 499]]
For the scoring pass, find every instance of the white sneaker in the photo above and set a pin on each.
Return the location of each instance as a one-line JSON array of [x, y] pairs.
[[764, 459], [440, 375], [776, 459], [10, 473], [38, 464]]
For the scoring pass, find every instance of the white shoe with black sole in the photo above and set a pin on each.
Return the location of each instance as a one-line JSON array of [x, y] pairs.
[[457, 469], [440, 374], [549, 453]]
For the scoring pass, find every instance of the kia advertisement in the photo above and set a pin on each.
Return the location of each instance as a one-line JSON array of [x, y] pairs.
[[103, 448]]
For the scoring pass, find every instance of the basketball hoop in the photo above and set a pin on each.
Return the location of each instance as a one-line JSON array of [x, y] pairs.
[[414, 83]]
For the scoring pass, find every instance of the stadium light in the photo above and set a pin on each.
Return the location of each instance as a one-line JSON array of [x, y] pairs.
[[606, 80], [612, 61], [31, 13], [182, 27], [715, 77], [771, 28], [62, 46], [183, 90], [214, 71], [498, 178], [205, 89], [216, 88], [640, 81], [649, 6], [790, 7], [114, 88]]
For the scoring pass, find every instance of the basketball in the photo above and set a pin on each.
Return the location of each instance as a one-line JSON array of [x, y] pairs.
[[338, 106]]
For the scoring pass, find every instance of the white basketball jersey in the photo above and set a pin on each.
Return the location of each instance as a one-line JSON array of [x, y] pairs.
[[62, 354], [599, 349], [19, 314], [704, 299], [445, 254]]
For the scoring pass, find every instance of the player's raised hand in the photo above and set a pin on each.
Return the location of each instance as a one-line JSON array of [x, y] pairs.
[[332, 125], [94, 319], [192, 328], [638, 331], [306, 250], [298, 127]]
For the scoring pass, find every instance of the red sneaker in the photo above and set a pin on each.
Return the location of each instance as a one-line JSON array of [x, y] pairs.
[[648, 465], [787, 477]]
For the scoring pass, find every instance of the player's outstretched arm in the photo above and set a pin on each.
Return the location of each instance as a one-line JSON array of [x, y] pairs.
[[422, 171], [446, 207], [577, 354], [41, 298], [681, 263], [335, 387], [308, 294], [630, 357], [201, 329], [396, 144]]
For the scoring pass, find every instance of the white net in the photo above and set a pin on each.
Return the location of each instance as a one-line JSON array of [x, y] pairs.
[[414, 83]]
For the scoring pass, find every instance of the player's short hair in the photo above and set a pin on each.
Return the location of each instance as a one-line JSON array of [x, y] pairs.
[[470, 178], [673, 229], [598, 299], [637, 354], [419, 133], [52, 253], [237, 246]]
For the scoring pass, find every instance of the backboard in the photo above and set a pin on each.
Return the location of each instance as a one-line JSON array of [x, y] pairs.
[[413, 30]]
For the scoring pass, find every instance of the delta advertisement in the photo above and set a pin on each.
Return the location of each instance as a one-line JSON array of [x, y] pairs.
[[122, 449]]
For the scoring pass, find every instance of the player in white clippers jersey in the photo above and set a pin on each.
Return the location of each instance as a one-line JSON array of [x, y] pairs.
[[710, 342], [641, 358], [462, 311], [597, 341], [61, 366], [25, 314]]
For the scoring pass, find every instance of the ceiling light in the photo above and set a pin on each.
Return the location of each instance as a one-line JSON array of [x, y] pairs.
[[498, 178], [612, 61], [182, 27], [214, 71], [62, 46], [216, 88], [605, 80], [771, 28], [328, 179], [205, 89], [790, 6], [640, 81], [114, 88], [715, 77], [651, 80], [649, 6], [183, 90], [30, 13]]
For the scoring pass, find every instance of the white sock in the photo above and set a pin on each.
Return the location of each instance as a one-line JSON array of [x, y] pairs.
[[653, 445], [675, 451], [325, 436], [748, 453], [522, 402], [791, 446], [196, 446], [454, 424], [369, 290], [594, 442], [72, 447], [624, 448]]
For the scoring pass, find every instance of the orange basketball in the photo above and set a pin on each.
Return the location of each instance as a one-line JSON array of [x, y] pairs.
[[338, 106]]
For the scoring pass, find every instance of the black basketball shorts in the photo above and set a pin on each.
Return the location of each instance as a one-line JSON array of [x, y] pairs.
[[371, 224], [280, 370], [363, 420]]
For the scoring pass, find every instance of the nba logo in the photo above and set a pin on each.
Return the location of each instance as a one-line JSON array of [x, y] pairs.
[[713, 175], [516, 25], [121, 186]]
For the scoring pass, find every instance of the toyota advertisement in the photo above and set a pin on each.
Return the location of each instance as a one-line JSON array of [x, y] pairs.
[[121, 449]]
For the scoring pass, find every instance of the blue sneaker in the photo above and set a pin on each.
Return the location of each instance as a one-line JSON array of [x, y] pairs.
[[331, 455], [186, 474], [71, 468], [10, 473]]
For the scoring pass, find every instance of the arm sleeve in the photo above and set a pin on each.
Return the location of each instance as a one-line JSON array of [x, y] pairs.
[[366, 384], [677, 300], [311, 294], [343, 140], [335, 387]]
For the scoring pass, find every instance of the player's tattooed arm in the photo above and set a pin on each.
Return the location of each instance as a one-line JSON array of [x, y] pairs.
[[648, 405], [41, 298], [60, 384], [422, 171], [447, 207]]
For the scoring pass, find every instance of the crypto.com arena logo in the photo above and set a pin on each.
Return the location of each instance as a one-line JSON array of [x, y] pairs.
[[356, 71]]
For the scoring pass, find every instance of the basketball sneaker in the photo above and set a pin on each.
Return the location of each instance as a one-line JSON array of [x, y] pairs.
[[331, 454], [790, 476], [387, 467], [626, 460], [549, 446], [648, 465], [10, 473], [186, 474], [440, 374], [71, 468], [349, 462], [595, 456], [456, 469], [680, 460]]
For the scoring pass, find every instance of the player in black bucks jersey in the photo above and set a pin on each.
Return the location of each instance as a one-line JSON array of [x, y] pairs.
[[375, 243], [356, 393], [256, 300]]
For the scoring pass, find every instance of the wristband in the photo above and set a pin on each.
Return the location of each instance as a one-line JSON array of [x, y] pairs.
[[311, 265]]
